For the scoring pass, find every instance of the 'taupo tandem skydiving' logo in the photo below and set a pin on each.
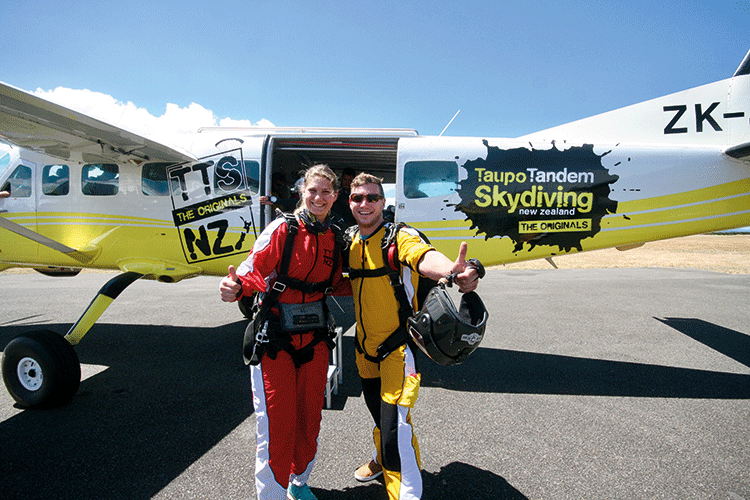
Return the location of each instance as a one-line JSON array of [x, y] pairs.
[[541, 197]]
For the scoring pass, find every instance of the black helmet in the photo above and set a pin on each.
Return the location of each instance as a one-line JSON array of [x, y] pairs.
[[448, 336]]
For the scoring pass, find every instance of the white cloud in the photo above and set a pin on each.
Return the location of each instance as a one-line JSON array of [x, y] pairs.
[[165, 128]]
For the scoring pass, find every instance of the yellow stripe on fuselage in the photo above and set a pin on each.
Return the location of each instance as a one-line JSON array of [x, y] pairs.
[[716, 208], [121, 238]]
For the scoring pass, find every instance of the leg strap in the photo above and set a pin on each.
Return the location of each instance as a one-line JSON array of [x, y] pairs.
[[393, 342]]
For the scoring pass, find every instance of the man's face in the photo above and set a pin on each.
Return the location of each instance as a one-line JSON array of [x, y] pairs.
[[367, 206]]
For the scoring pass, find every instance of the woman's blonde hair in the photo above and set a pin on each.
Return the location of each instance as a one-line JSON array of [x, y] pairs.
[[319, 170]]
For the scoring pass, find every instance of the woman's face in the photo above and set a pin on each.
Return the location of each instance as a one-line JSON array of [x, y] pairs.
[[319, 196]]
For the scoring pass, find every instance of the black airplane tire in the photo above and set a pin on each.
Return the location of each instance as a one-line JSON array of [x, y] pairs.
[[41, 369]]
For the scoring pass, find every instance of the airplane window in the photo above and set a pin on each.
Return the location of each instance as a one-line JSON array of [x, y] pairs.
[[100, 179], [55, 180], [154, 179], [423, 179], [228, 176], [252, 174], [19, 183], [4, 160]]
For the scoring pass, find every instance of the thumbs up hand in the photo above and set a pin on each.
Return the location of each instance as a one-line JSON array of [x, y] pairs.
[[230, 286], [465, 276], [460, 263]]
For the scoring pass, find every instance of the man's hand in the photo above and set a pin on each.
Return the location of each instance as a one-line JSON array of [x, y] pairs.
[[439, 267], [230, 286], [466, 275]]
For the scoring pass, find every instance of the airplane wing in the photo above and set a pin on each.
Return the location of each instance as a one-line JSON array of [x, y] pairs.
[[34, 123]]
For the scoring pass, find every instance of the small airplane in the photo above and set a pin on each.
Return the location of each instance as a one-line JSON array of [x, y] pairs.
[[76, 193]]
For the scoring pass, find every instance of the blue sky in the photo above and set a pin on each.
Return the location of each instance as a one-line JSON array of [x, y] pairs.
[[511, 67]]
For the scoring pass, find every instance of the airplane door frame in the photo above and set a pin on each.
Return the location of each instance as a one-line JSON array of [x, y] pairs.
[[266, 161], [254, 150]]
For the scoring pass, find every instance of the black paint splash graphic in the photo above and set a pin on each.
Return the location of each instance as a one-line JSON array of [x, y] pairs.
[[540, 197]]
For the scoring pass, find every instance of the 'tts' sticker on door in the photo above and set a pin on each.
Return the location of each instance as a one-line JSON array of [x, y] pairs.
[[211, 206]]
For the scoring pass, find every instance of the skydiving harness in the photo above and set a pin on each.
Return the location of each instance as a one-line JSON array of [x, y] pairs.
[[392, 269], [268, 334]]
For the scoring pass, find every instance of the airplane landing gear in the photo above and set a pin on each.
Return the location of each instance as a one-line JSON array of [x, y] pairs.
[[41, 369]]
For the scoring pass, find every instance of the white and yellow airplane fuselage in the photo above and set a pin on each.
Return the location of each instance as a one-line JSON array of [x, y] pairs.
[[77, 193]]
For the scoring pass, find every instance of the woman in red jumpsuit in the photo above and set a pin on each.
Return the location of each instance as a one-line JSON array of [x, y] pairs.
[[289, 383]]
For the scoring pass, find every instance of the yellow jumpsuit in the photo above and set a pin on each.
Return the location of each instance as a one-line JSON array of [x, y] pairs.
[[390, 387]]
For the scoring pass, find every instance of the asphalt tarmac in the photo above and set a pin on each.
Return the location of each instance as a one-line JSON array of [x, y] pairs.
[[590, 384]]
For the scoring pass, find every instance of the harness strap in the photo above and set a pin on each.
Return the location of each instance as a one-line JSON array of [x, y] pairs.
[[405, 310], [392, 269], [367, 273], [282, 282], [303, 286], [286, 257], [390, 344], [270, 297], [282, 341]]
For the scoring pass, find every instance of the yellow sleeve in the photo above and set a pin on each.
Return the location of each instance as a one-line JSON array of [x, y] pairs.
[[411, 248]]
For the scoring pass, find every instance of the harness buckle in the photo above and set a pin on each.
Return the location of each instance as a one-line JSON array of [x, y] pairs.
[[279, 287], [261, 337]]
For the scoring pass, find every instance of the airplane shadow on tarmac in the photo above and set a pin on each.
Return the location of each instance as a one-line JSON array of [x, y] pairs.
[[728, 342], [170, 394], [167, 396], [519, 372]]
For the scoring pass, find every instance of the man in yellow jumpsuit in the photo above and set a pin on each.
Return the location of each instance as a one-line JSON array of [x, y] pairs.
[[390, 379]]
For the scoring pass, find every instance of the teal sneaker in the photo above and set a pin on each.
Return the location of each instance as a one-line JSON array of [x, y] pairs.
[[300, 493]]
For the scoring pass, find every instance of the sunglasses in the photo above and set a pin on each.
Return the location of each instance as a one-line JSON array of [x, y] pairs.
[[372, 198]]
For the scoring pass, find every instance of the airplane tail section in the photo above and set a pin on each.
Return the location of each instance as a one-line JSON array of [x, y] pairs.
[[716, 114], [744, 68], [741, 150]]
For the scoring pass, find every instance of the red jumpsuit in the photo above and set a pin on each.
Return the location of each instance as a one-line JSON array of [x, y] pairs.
[[288, 399]]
